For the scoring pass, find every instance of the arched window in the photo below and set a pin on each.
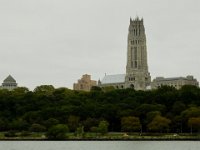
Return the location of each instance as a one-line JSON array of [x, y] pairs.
[[132, 86]]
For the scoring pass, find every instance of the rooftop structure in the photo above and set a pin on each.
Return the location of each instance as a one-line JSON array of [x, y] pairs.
[[109, 79], [117, 81], [9, 83]]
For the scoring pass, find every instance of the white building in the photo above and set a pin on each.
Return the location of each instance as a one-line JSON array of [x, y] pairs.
[[9, 83], [176, 82]]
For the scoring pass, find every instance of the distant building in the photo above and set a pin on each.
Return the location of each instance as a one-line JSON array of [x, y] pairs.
[[176, 82], [137, 75], [85, 83], [9, 83]]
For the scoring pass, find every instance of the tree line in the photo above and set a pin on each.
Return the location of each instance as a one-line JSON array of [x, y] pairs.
[[101, 110]]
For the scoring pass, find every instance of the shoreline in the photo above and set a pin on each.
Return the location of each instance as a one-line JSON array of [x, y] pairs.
[[111, 136], [102, 139]]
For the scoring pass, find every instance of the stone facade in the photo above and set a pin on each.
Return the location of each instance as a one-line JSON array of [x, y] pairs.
[[9, 83], [85, 83], [176, 82], [137, 75]]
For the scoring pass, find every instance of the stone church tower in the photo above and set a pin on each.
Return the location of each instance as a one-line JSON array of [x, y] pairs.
[[137, 74]]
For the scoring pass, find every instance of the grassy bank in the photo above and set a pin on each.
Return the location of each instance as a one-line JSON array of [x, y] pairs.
[[109, 136]]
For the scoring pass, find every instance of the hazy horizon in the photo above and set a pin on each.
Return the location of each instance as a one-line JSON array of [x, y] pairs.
[[55, 42]]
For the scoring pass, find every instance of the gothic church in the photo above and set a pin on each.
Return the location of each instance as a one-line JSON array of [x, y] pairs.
[[137, 75]]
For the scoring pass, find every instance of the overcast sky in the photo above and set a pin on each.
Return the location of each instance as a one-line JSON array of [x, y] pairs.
[[57, 41]]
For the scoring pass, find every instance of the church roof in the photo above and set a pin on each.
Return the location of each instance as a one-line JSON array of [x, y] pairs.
[[117, 78], [9, 79]]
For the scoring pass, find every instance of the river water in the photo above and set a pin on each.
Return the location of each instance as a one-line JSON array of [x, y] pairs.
[[99, 145]]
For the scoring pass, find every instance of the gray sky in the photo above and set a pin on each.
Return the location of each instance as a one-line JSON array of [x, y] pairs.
[[57, 41]]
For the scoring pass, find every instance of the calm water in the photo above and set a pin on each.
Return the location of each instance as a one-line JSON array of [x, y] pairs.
[[99, 145]]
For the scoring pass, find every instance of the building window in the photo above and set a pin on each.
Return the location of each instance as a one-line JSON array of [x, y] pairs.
[[135, 64], [131, 53], [135, 56], [132, 79], [132, 86]]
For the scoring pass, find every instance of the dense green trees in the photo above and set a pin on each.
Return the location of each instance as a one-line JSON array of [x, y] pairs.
[[103, 127], [163, 110], [130, 124], [159, 124], [57, 132], [194, 124]]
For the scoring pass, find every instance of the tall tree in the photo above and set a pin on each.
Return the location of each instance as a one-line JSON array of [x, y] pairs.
[[103, 127], [159, 124], [194, 124], [130, 124], [73, 122]]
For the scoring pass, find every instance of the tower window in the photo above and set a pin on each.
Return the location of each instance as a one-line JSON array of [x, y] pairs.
[[131, 64], [135, 53], [135, 64], [132, 79], [131, 57], [135, 57]]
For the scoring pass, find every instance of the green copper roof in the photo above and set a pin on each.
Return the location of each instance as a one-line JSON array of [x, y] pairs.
[[9, 79]]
